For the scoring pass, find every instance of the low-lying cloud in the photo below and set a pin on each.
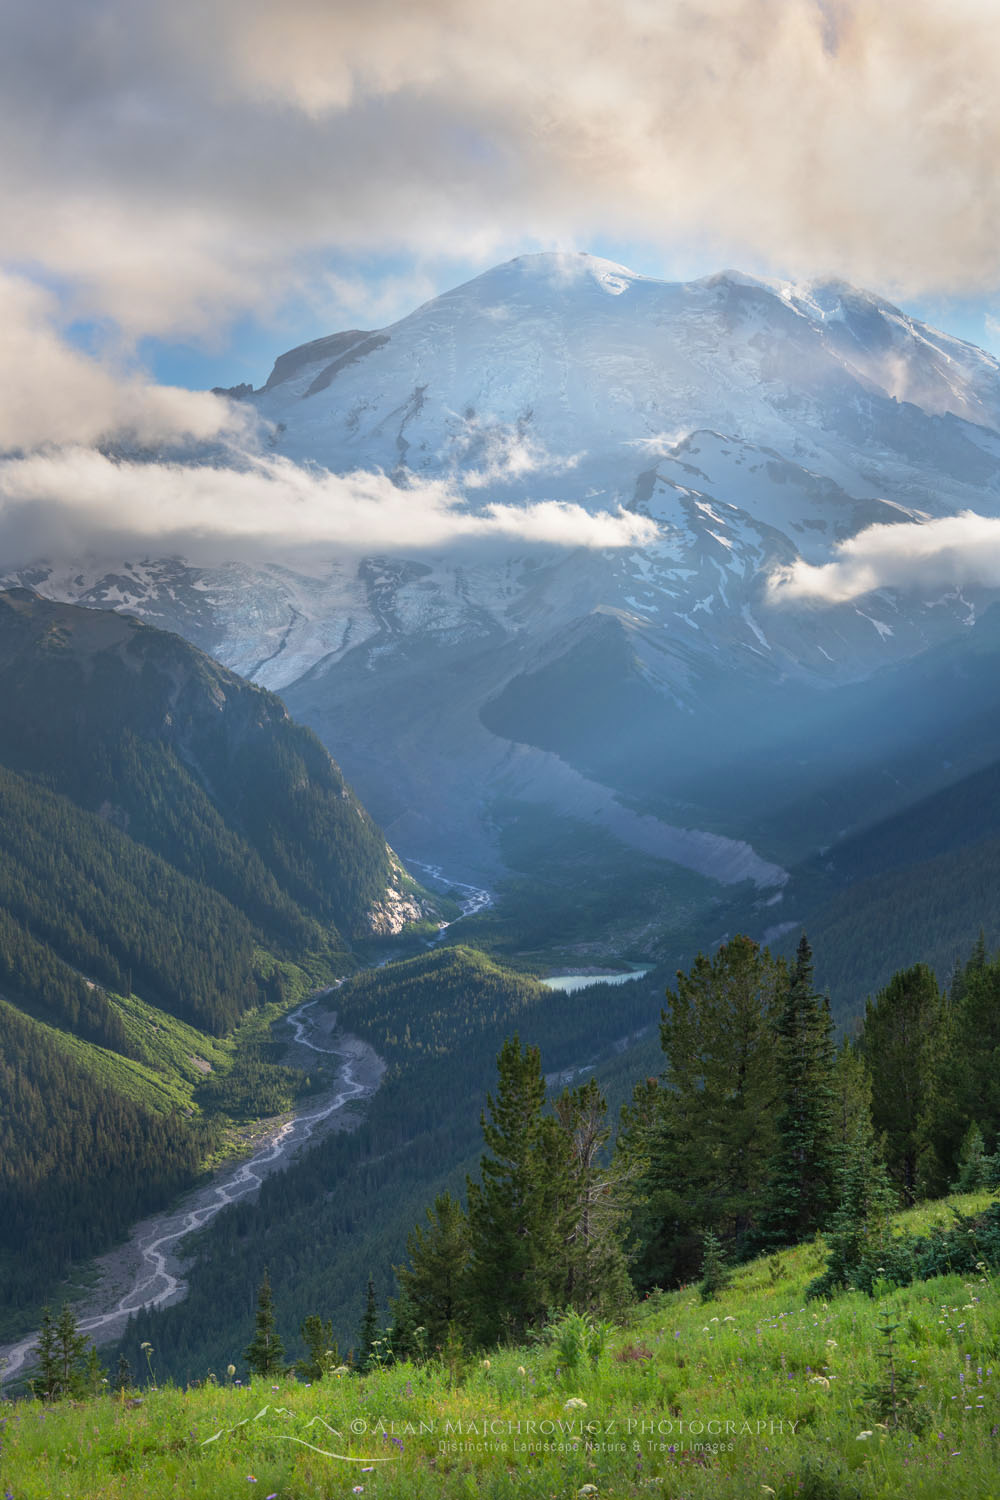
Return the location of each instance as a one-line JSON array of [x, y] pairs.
[[952, 551], [180, 163], [51, 393], [96, 459], [78, 501]]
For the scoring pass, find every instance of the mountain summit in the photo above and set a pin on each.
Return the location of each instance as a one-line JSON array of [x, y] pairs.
[[754, 424], [571, 355]]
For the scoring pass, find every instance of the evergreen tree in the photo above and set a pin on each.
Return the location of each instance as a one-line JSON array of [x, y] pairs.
[[597, 1274], [974, 964], [975, 1169], [321, 1351], [71, 1353], [661, 1242], [901, 1045], [47, 1384], [368, 1333], [434, 1283], [265, 1352], [716, 1136], [92, 1375], [859, 1236], [802, 1187], [974, 1078], [852, 1097], [124, 1378], [520, 1212], [715, 1271]]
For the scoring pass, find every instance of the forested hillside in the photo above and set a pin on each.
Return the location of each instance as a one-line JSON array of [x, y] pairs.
[[187, 758], [345, 1209], [916, 886], [175, 854]]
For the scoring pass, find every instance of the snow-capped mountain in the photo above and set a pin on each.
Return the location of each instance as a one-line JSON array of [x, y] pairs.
[[755, 423]]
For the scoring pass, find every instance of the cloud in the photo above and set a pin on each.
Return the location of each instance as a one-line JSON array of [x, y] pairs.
[[77, 501], [179, 164], [950, 551], [99, 459], [52, 393]]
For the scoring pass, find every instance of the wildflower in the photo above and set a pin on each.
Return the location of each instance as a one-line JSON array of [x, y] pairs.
[[587, 1489], [358, 1489], [819, 1380], [486, 1364], [573, 1404], [862, 1436], [521, 1371], [230, 1371], [831, 1343], [767, 1489]]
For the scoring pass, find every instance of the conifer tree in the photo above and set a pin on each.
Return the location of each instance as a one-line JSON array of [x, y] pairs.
[[321, 1351], [974, 1081], [48, 1358], [715, 1271], [801, 1191], [71, 1352], [852, 1096], [124, 1379], [900, 1043], [368, 1333], [265, 1352], [859, 1236], [520, 1211], [434, 1283], [597, 1274], [716, 1109]]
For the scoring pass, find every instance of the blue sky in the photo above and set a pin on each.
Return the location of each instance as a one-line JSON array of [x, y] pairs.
[[246, 350], [210, 183]]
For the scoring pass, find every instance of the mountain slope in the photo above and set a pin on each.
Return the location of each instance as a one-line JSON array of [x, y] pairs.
[[202, 768], [754, 423], [178, 864]]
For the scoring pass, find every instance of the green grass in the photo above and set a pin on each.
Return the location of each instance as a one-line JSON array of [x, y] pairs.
[[756, 1393], [170, 1068]]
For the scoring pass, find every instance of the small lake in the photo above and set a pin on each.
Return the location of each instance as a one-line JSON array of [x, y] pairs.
[[568, 983]]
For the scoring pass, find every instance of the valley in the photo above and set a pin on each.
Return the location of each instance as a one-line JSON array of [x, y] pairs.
[[500, 750], [147, 1271], [550, 757]]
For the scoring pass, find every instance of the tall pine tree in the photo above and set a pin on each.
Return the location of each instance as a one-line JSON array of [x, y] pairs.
[[368, 1332], [520, 1213], [901, 1044], [434, 1283], [720, 1084], [802, 1188], [265, 1352]]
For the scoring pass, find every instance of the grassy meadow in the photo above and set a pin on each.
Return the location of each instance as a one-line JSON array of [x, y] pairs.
[[755, 1393]]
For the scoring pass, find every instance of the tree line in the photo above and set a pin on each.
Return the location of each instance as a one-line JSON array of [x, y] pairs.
[[759, 1130], [759, 1133]]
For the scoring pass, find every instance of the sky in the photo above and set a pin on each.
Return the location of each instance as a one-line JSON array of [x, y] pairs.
[[192, 188]]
